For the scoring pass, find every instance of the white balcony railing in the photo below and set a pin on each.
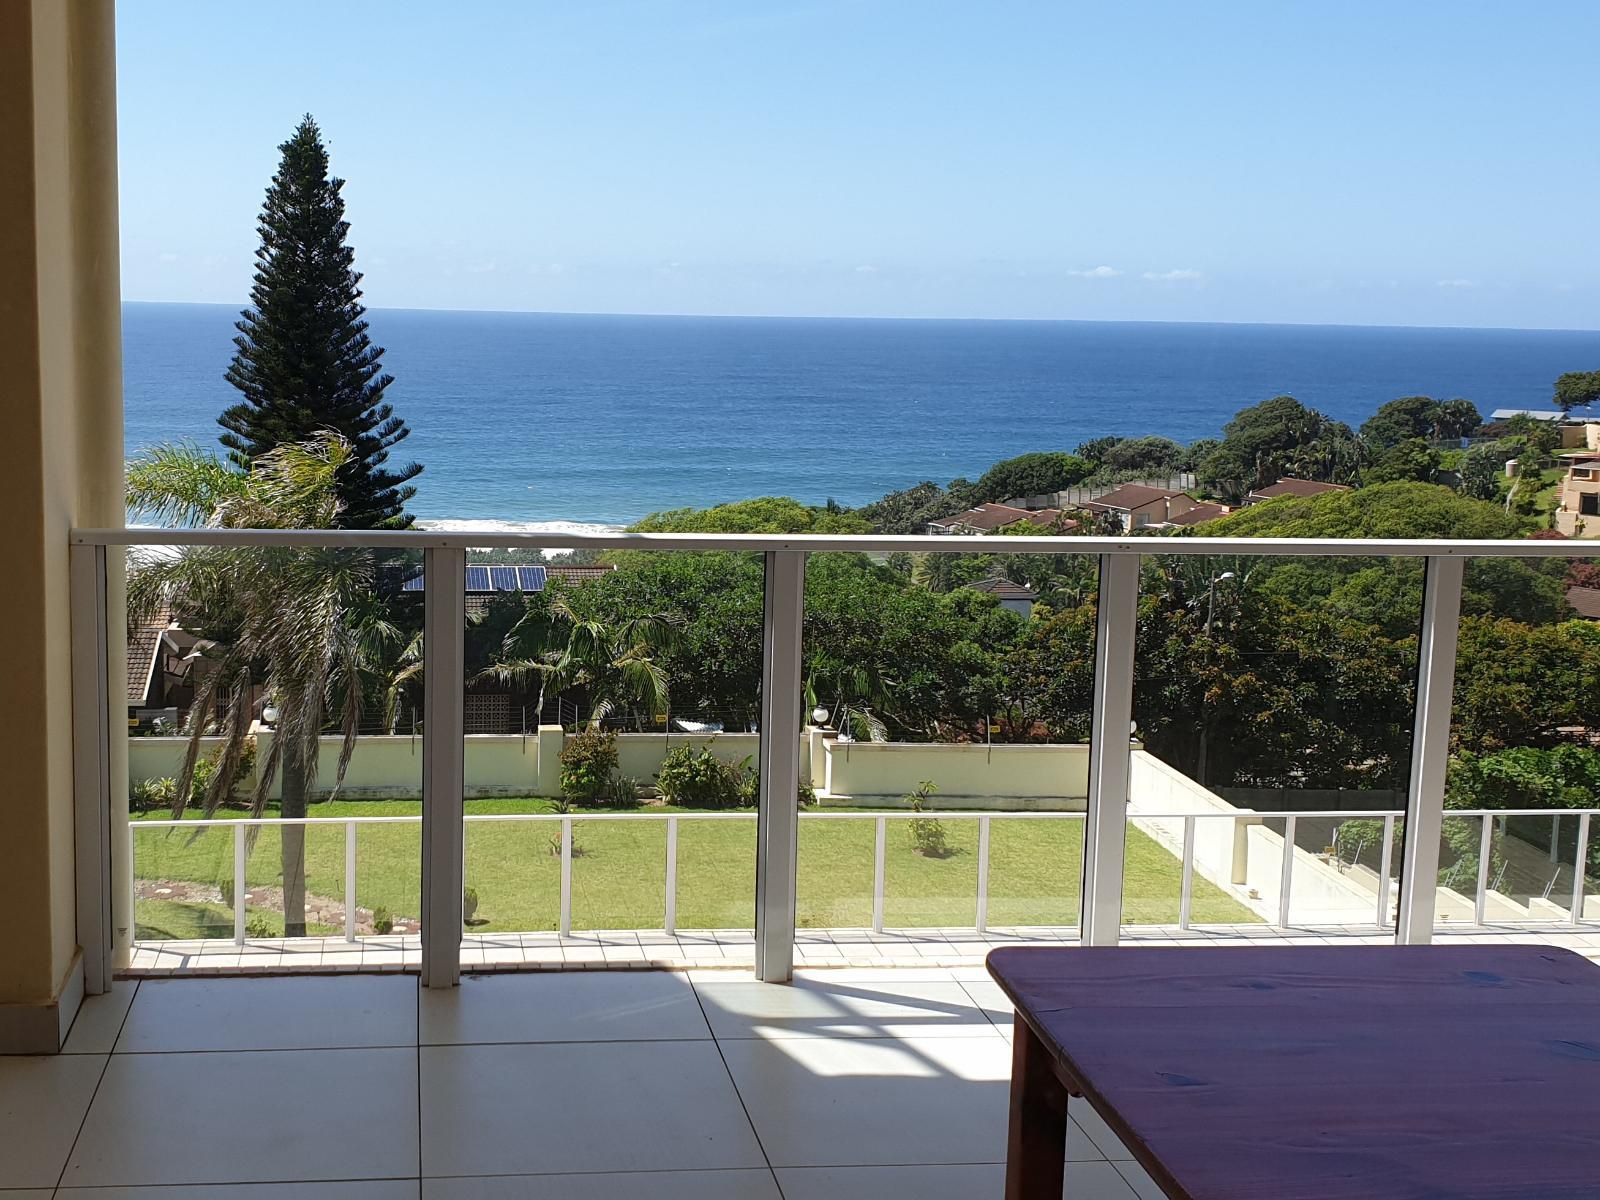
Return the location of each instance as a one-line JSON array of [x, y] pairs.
[[443, 821]]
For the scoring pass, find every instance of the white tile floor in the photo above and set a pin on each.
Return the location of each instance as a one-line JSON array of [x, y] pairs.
[[609, 1085]]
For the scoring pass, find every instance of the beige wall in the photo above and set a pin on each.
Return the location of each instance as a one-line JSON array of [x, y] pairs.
[[967, 775], [61, 460]]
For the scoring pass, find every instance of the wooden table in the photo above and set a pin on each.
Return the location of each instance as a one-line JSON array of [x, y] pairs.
[[1287, 1073]]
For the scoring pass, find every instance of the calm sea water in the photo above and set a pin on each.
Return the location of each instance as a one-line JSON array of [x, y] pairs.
[[525, 418]]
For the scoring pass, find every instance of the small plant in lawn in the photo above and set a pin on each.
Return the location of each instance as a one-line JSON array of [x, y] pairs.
[[564, 807], [259, 926], [694, 777], [807, 794], [382, 922], [469, 907], [588, 762], [927, 833]]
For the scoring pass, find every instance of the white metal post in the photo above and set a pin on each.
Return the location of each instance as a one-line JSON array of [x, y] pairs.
[[879, 839], [1580, 868], [240, 835], [350, 881], [1430, 750], [91, 762], [983, 874], [1480, 897], [564, 925], [778, 812], [1186, 895], [1286, 878], [1385, 863], [671, 922], [1110, 749], [443, 754]]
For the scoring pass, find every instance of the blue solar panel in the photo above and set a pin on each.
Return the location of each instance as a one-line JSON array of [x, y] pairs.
[[503, 579], [532, 579], [477, 579]]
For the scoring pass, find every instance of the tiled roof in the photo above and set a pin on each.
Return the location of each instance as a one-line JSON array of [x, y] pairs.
[[1130, 496], [1199, 513], [1288, 486], [1005, 589], [144, 641], [1585, 601]]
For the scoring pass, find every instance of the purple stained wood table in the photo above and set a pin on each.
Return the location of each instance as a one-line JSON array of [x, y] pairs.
[[1301, 1072]]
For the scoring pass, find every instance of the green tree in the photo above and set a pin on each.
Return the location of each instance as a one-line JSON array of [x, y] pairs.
[[766, 514], [910, 509], [304, 363], [1577, 389], [1264, 442], [1483, 469], [1520, 685], [1400, 420], [1034, 474], [1409, 460], [306, 623], [1143, 455]]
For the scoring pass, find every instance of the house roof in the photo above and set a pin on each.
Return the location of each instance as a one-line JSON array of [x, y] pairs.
[[144, 642], [1004, 588], [1538, 414], [998, 516], [1204, 511], [1585, 601], [488, 578], [1290, 486], [1131, 496]]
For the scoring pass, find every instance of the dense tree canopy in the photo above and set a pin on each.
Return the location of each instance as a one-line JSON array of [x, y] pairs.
[[1419, 417], [1280, 437], [1034, 474], [1577, 389], [768, 514]]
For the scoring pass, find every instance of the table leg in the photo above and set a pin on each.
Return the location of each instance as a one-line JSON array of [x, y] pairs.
[[1036, 1149]]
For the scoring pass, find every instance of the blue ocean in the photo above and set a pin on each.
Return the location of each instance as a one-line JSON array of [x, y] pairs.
[[534, 419]]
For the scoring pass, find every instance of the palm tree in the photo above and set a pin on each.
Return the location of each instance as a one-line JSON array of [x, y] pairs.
[[307, 624], [616, 664]]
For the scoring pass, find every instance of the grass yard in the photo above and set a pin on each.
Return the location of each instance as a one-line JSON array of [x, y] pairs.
[[619, 872]]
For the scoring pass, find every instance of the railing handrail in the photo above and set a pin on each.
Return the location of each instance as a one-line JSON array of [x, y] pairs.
[[426, 539], [891, 814]]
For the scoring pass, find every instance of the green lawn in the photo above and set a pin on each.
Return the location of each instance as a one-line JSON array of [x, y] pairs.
[[619, 872]]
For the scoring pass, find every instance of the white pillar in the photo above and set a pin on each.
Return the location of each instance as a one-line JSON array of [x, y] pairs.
[[778, 816], [1110, 750]]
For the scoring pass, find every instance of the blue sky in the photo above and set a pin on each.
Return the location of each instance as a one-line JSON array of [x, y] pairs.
[[1369, 163]]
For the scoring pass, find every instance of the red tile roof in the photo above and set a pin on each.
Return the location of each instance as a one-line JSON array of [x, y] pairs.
[[1204, 511], [1131, 496], [1289, 486]]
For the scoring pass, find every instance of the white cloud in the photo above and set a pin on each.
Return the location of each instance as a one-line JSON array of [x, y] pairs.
[[1177, 275], [1457, 283], [1096, 273], [167, 256], [866, 269]]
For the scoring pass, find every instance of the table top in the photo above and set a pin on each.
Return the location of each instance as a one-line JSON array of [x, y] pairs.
[[1331, 1072]]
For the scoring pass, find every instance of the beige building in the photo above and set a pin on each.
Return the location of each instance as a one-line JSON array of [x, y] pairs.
[[1578, 514], [1134, 506]]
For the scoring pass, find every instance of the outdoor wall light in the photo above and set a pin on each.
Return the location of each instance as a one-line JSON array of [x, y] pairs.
[[269, 714], [819, 715]]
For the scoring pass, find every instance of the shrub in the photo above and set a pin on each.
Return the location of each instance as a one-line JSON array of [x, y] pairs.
[[696, 778], [588, 761], [382, 922], [622, 791], [148, 795], [469, 905], [927, 833], [808, 794]]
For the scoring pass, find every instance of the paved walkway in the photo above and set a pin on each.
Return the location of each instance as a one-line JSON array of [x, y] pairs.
[[734, 948]]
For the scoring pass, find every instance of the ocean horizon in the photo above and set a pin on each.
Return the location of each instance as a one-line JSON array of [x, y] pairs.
[[573, 421]]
